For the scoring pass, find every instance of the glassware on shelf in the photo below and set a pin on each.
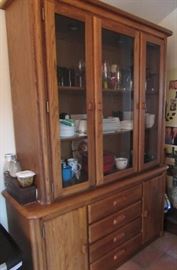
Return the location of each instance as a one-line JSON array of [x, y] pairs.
[[81, 74], [105, 75]]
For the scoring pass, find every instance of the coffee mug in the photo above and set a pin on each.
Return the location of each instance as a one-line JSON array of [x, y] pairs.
[[67, 173], [75, 166]]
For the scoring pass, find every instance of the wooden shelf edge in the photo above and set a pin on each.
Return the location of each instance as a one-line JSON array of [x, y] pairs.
[[36, 210]]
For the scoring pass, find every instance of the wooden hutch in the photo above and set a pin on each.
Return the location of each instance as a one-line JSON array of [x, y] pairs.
[[105, 70]]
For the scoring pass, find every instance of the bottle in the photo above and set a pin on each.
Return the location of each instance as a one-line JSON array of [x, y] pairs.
[[7, 159], [14, 166], [105, 75]]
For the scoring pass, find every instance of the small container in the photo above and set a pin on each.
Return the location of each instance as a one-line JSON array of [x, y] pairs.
[[7, 159], [25, 178]]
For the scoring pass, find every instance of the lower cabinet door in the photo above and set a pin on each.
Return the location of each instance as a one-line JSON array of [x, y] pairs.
[[153, 202], [66, 240]]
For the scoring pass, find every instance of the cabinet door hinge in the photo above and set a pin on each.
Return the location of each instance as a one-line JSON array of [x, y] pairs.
[[42, 231], [43, 14], [52, 187], [47, 106]]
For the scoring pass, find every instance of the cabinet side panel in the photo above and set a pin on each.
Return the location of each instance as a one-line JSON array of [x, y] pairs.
[[19, 18]]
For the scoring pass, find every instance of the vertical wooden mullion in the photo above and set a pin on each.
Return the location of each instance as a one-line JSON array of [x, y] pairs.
[[136, 101], [53, 95], [142, 76], [97, 34], [90, 99]]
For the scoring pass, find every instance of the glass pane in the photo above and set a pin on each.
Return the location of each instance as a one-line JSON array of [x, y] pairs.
[[118, 94], [70, 50], [151, 101]]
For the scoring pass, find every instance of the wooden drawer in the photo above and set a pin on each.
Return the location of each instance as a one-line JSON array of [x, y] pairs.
[[113, 203], [107, 225], [113, 240], [114, 258]]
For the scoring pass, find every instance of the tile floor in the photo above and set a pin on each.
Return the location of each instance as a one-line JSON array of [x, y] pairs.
[[160, 255]]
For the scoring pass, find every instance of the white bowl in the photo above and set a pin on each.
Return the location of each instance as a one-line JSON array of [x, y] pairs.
[[121, 163]]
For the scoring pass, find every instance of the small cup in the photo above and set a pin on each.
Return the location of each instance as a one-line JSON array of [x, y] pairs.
[[121, 163], [25, 178], [76, 167], [67, 173]]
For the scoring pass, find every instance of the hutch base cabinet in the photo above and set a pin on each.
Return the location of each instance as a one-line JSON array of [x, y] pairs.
[[88, 84], [97, 230]]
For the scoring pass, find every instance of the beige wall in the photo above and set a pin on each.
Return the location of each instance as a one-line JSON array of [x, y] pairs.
[[6, 125], [171, 22]]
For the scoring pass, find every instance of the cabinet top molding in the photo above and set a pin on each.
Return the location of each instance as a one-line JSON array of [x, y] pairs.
[[4, 4]]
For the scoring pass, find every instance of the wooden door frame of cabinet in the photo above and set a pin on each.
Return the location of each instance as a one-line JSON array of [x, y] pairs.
[[109, 24], [50, 9], [161, 111]]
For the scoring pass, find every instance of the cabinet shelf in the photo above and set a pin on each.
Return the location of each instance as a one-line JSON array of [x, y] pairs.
[[117, 132], [117, 91], [150, 92], [71, 88], [78, 137], [73, 138]]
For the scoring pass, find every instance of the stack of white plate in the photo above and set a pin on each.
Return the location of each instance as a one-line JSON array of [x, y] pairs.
[[126, 124], [111, 124], [66, 131]]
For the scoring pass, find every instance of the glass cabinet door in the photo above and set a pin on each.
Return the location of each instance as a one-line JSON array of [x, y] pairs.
[[118, 97], [70, 103], [151, 100]]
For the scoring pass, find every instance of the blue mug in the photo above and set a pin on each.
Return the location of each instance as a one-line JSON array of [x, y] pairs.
[[67, 173]]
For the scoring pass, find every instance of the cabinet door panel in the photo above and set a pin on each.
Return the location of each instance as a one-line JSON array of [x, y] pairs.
[[153, 199], [65, 240], [151, 101], [117, 99], [70, 93]]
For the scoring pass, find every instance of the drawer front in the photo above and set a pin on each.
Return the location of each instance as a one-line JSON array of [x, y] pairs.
[[113, 259], [113, 203], [110, 242], [107, 225]]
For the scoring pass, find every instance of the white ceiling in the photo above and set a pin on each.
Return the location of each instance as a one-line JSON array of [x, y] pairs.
[[151, 10]]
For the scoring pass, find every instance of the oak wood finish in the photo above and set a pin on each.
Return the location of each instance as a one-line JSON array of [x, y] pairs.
[[113, 222], [113, 240], [95, 225], [114, 203], [114, 258], [153, 201], [67, 235]]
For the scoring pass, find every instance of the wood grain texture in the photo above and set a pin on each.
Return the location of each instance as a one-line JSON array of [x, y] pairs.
[[66, 240], [111, 223], [113, 203], [113, 240], [22, 58], [35, 210], [153, 200]]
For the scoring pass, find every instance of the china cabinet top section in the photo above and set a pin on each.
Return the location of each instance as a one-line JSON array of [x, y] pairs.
[[93, 5]]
